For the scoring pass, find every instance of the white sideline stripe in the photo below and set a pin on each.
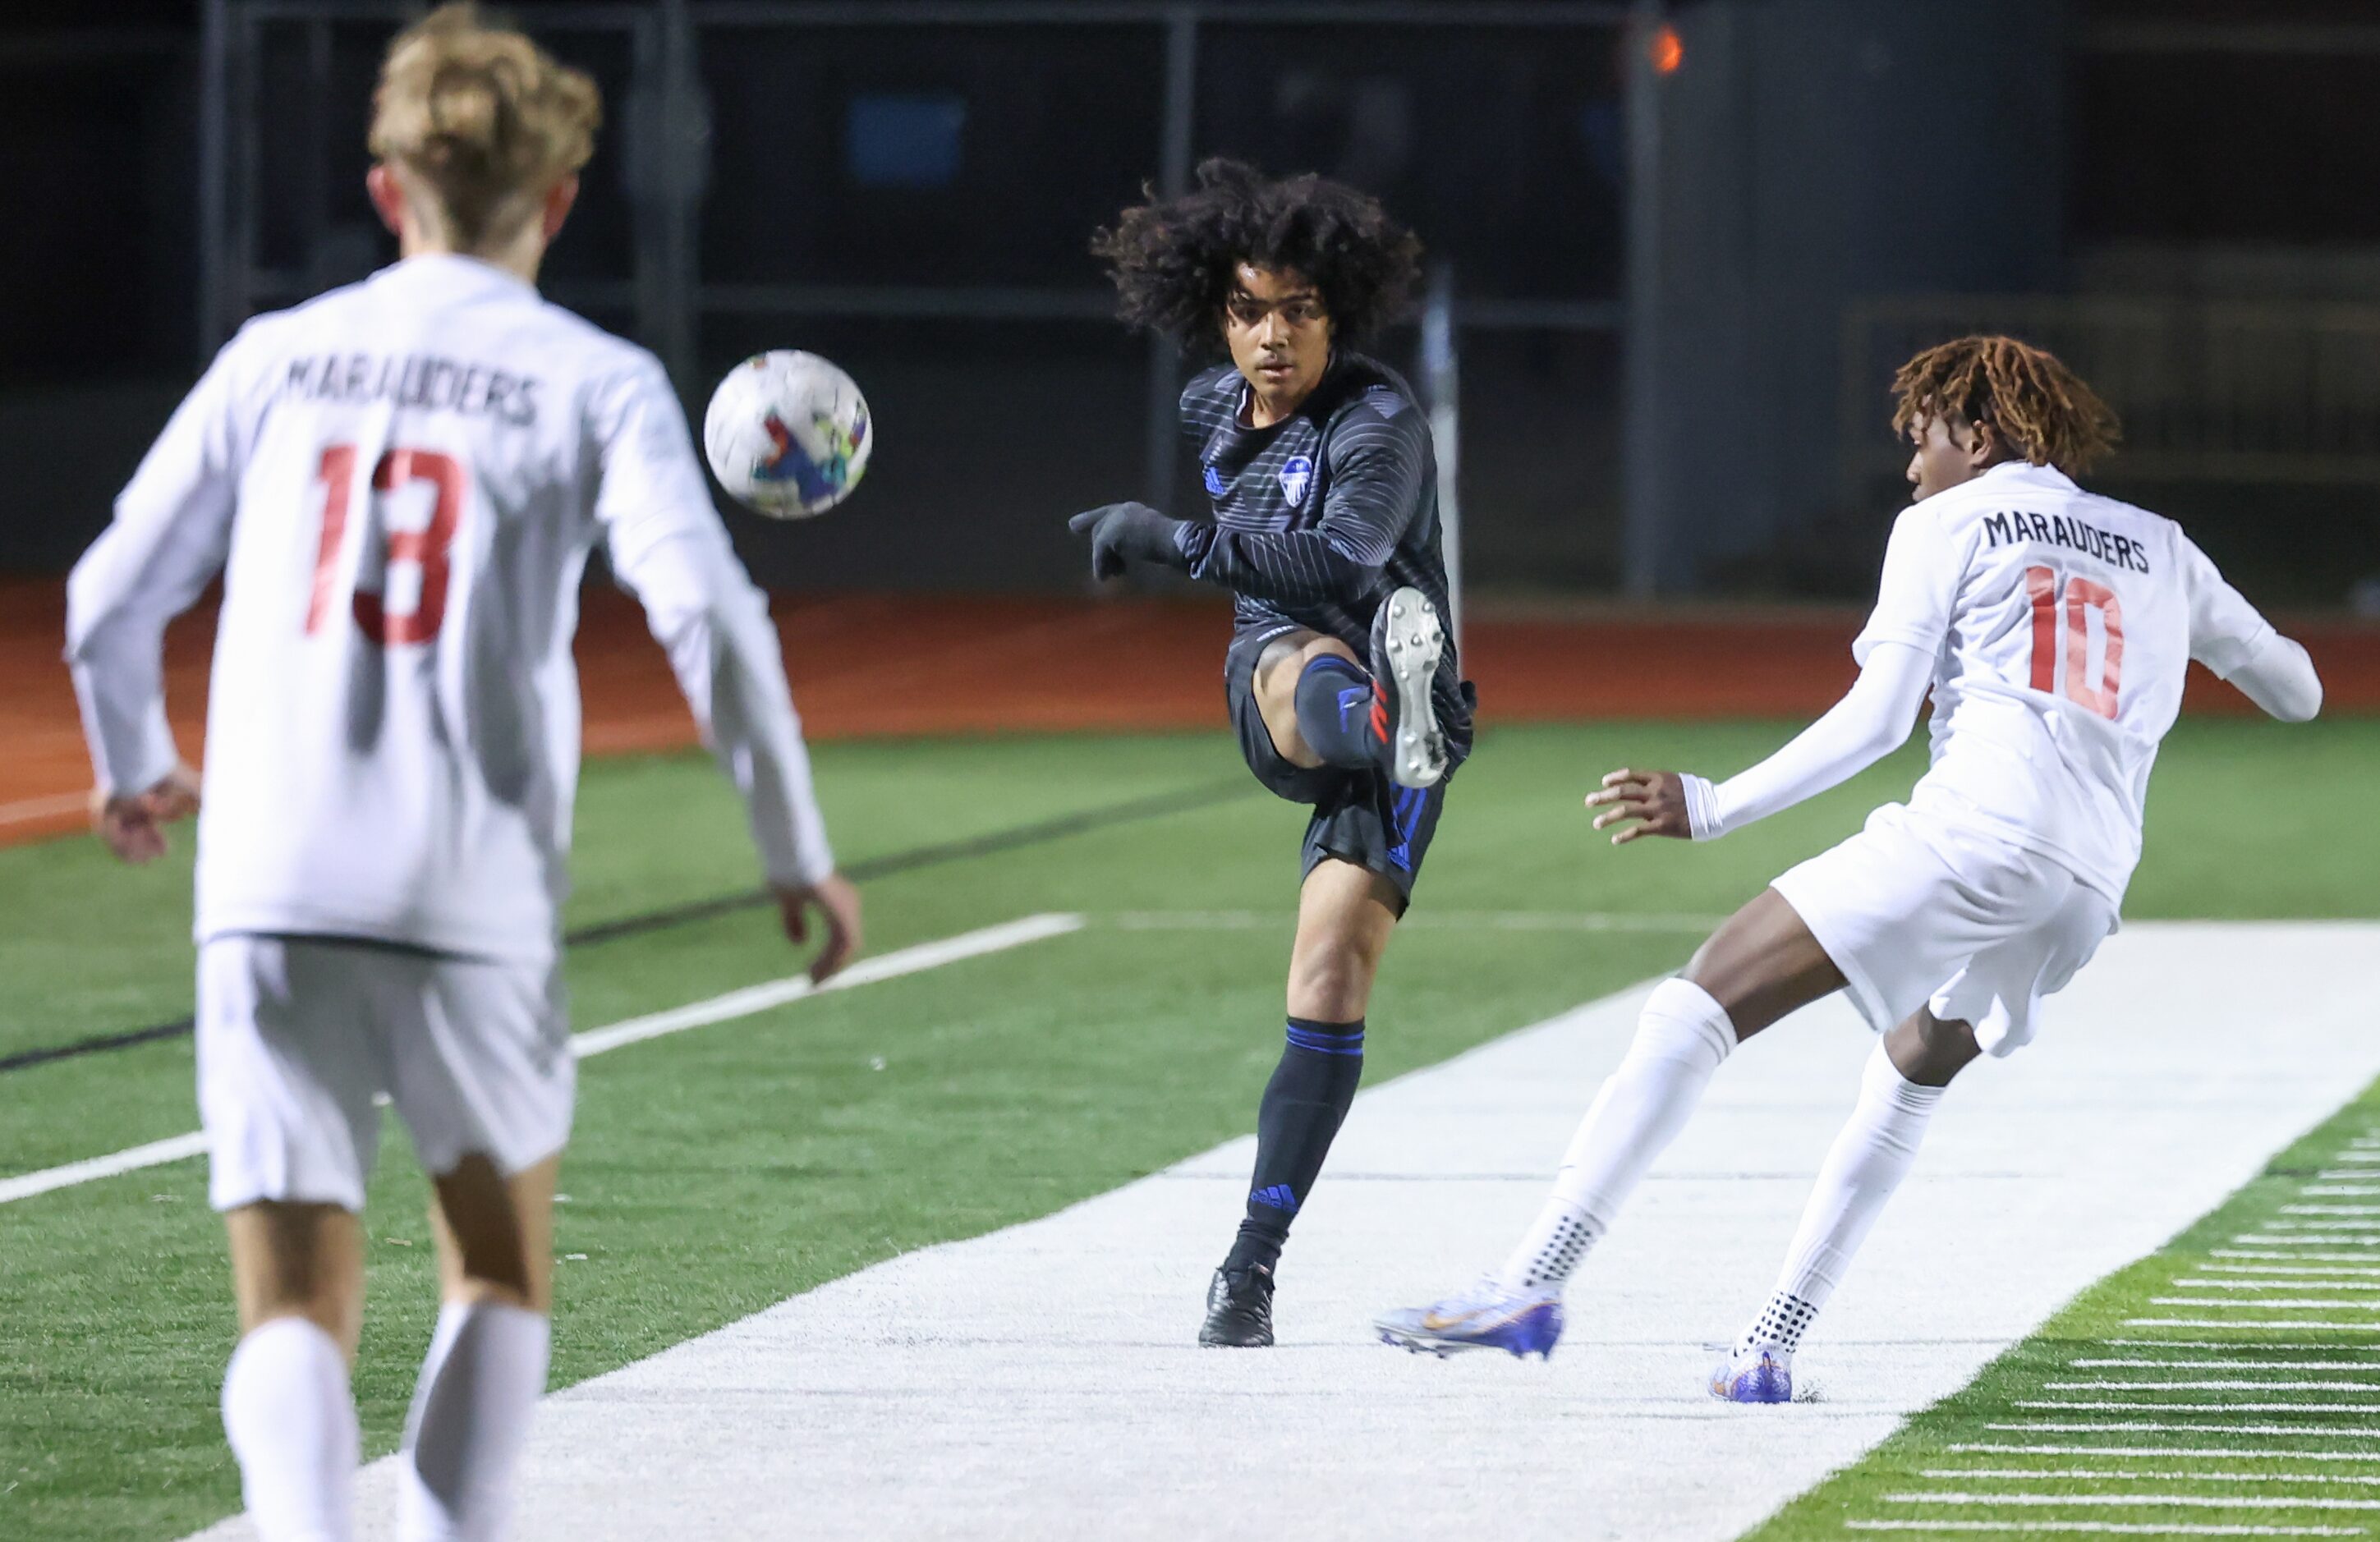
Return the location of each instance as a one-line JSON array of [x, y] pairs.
[[2279, 1268], [1436, 920], [2202, 1476], [2241, 1343], [43, 807], [2102, 1426], [2275, 1322], [2230, 1365], [2212, 1386], [2295, 1303], [2330, 1209], [2114, 1405], [595, 1041], [2292, 1232], [2120, 1528], [2341, 1191], [2279, 1284], [2293, 1257], [2004, 1449], [2137, 1501]]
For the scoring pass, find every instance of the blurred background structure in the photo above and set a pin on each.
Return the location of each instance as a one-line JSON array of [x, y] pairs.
[[1683, 245]]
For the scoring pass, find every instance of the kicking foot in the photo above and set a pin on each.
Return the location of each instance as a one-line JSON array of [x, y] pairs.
[[1239, 1310], [1407, 641], [1762, 1374], [1486, 1316]]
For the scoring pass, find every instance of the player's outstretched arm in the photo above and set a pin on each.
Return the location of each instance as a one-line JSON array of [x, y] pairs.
[[2232, 637], [168, 538], [1868, 724], [2279, 675], [668, 547]]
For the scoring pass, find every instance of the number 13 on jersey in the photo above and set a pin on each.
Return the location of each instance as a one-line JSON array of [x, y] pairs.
[[428, 549], [2082, 596]]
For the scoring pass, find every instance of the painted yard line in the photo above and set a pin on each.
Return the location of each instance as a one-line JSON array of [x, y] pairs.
[[2104, 1528], [2295, 1303], [2195, 1284], [2298, 1232], [1440, 920], [2275, 1322], [2160, 1426], [2235, 1343], [2330, 1209], [2298, 1384], [2341, 1191], [2004, 1449], [2111, 1405], [2290, 1257], [2280, 1269], [595, 1041], [2137, 1501], [2229, 1365], [43, 807], [2068, 1472]]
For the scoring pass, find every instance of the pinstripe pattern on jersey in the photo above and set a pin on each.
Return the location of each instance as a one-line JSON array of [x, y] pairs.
[[1318, 517]]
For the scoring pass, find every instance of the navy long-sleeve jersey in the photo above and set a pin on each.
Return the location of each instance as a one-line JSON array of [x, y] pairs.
[[1318, 517]]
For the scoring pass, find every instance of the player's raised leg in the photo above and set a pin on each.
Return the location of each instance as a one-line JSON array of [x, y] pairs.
[[487, 1362], [1324, 707], [1899, 1091], [298, 1273], [1761, 965], [1346, 914]]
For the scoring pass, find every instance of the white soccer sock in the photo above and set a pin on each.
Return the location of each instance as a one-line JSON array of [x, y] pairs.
[[462, 1438], [1681, 1036], [292, 1422], [1864, 1165]]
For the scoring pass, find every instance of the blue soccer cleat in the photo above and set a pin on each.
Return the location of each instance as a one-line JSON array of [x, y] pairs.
[[1762, 1374], [1520, 1323]]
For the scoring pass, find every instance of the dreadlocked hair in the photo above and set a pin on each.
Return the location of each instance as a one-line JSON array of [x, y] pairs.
[[2041, 408], [1175, 259]]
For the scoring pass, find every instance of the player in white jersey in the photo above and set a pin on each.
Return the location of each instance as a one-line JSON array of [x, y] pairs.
[[400, 484], [2053, 627]]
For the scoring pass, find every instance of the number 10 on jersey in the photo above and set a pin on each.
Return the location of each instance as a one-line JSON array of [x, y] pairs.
[[2082, 596], [429, 549]]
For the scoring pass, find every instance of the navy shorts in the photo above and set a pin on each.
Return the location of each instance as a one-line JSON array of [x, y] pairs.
[[1359, 815]]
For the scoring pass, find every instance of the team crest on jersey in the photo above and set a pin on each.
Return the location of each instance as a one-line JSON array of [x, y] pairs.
[[1296, 476]]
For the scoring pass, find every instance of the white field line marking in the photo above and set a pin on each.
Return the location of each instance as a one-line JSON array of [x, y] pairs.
[[2330, 1209], [2102, 1528], [2194, 1284], [2234, 1452], [2261, 1322], [2118, 1406], [2289, 1232], [2300, 1256], [595, 1041], [2298, 1384], [43, 807], [2238, 1344], [2341, 1191], [1437, 921], [2226, 1366], [2282, 1269], [2359, 1478], [2160, 1426], [2136, 1501], [2294, 1303]]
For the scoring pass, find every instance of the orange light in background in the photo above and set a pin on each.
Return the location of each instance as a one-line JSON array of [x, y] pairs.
[[1669, 51]]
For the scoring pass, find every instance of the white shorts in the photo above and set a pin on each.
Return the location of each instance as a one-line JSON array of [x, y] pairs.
[[1917, 912], [298, 1035]]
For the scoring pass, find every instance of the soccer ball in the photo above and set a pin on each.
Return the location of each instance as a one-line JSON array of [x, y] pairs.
[[787, 434]]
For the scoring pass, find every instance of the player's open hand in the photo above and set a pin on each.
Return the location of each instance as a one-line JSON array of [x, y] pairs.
[[1122, 534], [133, 825], [837, 903], [1657, 799]]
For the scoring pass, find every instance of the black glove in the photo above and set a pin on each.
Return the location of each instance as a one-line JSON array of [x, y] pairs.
[[1127, 533]]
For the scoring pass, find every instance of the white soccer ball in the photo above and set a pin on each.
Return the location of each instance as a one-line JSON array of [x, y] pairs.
[[787, 434]]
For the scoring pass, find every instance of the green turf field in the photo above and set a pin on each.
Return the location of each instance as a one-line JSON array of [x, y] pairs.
[[721, 1169]]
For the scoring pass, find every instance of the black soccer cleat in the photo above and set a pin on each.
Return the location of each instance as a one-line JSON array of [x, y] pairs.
[[1407, 641], [1239, 1310]]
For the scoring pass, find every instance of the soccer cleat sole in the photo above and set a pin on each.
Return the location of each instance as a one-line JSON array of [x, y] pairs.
[[1415, 641], [1441, 1349]]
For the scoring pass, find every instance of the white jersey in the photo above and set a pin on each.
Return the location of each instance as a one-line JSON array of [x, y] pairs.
[[2061, 625], [400, 482]]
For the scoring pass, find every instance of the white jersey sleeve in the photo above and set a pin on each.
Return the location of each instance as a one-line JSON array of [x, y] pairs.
[[1922, 568], [667, 548], [169, 536]]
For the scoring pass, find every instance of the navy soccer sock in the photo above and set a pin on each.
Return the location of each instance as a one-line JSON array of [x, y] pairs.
[[1341, 714], [1303, 1106]]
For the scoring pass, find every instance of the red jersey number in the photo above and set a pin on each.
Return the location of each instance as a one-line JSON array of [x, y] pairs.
[[2082, 597], [429, 549]]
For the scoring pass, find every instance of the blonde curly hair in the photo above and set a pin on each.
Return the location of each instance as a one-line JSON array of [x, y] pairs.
[[481, 120]]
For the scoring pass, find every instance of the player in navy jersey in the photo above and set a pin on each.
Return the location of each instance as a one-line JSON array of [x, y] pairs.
[[1339, 679]]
